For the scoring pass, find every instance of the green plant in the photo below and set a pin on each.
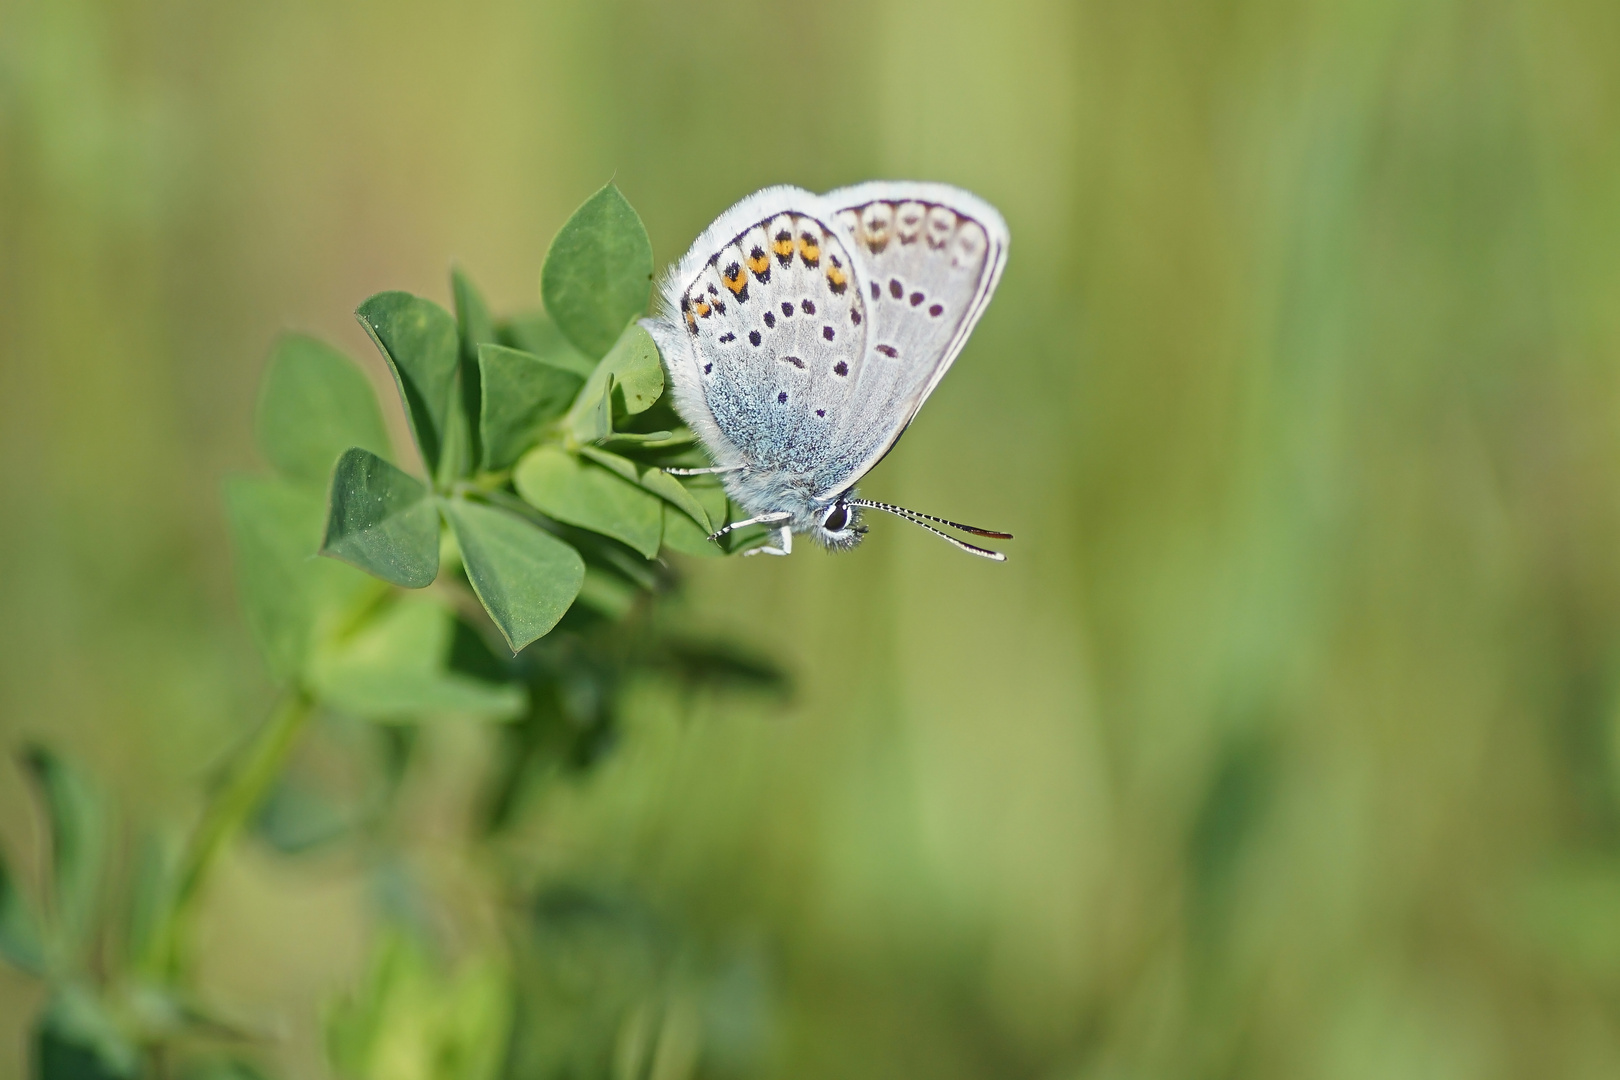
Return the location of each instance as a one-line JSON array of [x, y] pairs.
[[514, 583]]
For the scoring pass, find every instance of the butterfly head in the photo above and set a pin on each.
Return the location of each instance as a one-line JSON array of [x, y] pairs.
[[838, 524]]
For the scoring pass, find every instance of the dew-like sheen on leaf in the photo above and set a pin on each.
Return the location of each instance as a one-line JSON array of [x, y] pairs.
[[525, 577], [316, 404], [598, 272], [382, 520], [418, 339]]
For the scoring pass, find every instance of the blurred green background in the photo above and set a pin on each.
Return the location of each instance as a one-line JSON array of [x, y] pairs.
[[1283, 745]]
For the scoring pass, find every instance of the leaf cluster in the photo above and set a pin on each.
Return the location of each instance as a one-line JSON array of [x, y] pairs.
[[511, 580]]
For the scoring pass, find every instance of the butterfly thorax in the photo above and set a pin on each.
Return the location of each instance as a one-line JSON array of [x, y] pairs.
[[832, 522]]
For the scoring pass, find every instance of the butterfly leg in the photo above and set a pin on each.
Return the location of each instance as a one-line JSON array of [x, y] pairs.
[[785, 545], [706, 472]]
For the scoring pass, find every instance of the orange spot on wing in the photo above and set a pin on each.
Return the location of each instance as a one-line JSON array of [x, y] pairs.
[[809, 249], [735, 283], [702, 307]]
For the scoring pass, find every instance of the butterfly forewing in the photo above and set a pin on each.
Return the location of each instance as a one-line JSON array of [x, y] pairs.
[[777, 325]]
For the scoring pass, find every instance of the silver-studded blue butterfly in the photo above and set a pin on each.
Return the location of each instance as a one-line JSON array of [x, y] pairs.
[[803, 332]]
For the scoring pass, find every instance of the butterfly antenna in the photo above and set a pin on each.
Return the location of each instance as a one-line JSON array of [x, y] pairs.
[[914, 514], [915, 518]]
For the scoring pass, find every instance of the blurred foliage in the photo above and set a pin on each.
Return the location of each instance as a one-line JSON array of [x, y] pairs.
[[344, 646], [1285, 746]]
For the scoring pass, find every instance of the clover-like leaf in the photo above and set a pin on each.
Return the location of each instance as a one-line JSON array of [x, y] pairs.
[[598, 272], [78, 840], [683, 534], [19, 925], [590, 496], [652, 479], [536, 333], [418, 339], [398, 666], [474, 327], [521, 393], [382, 520], [287, 594], [316, 403], [525, 577], [630, 375]]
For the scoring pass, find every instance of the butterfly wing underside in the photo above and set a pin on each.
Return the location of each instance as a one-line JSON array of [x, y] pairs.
[[763, 331], [927, 258]]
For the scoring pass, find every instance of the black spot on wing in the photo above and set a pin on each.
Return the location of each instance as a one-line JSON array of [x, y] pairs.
[[753, 337], [888, 350], [840, 368]]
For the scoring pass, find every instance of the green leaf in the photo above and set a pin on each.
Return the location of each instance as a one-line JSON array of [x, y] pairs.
[[398, 666], [19, 926], [222, 1069], [315, 404], [382, 520], [585, 494], [525, 577], [536, 333], [153, 892], [474, 327], [653, 479], [418, 339], [75, 1039], [288, 595], [522, 392], [296, 817], [631, 373], [78, 841], [598, 272], [684, 535]]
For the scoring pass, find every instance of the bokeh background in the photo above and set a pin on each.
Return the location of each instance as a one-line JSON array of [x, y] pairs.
[[1284, 744]]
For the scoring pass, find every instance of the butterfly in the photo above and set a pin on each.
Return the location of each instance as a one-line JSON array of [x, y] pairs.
[[803, 332]]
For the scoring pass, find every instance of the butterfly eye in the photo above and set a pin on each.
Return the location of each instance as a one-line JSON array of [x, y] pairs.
[[837, 520]]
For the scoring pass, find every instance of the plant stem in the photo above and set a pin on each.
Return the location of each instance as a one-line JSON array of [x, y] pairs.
[[229, 808]]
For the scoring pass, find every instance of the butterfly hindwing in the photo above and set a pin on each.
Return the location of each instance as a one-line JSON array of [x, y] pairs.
[[927, 258]]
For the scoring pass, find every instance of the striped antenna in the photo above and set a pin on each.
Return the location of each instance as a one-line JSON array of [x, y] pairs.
[[917, 518]]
